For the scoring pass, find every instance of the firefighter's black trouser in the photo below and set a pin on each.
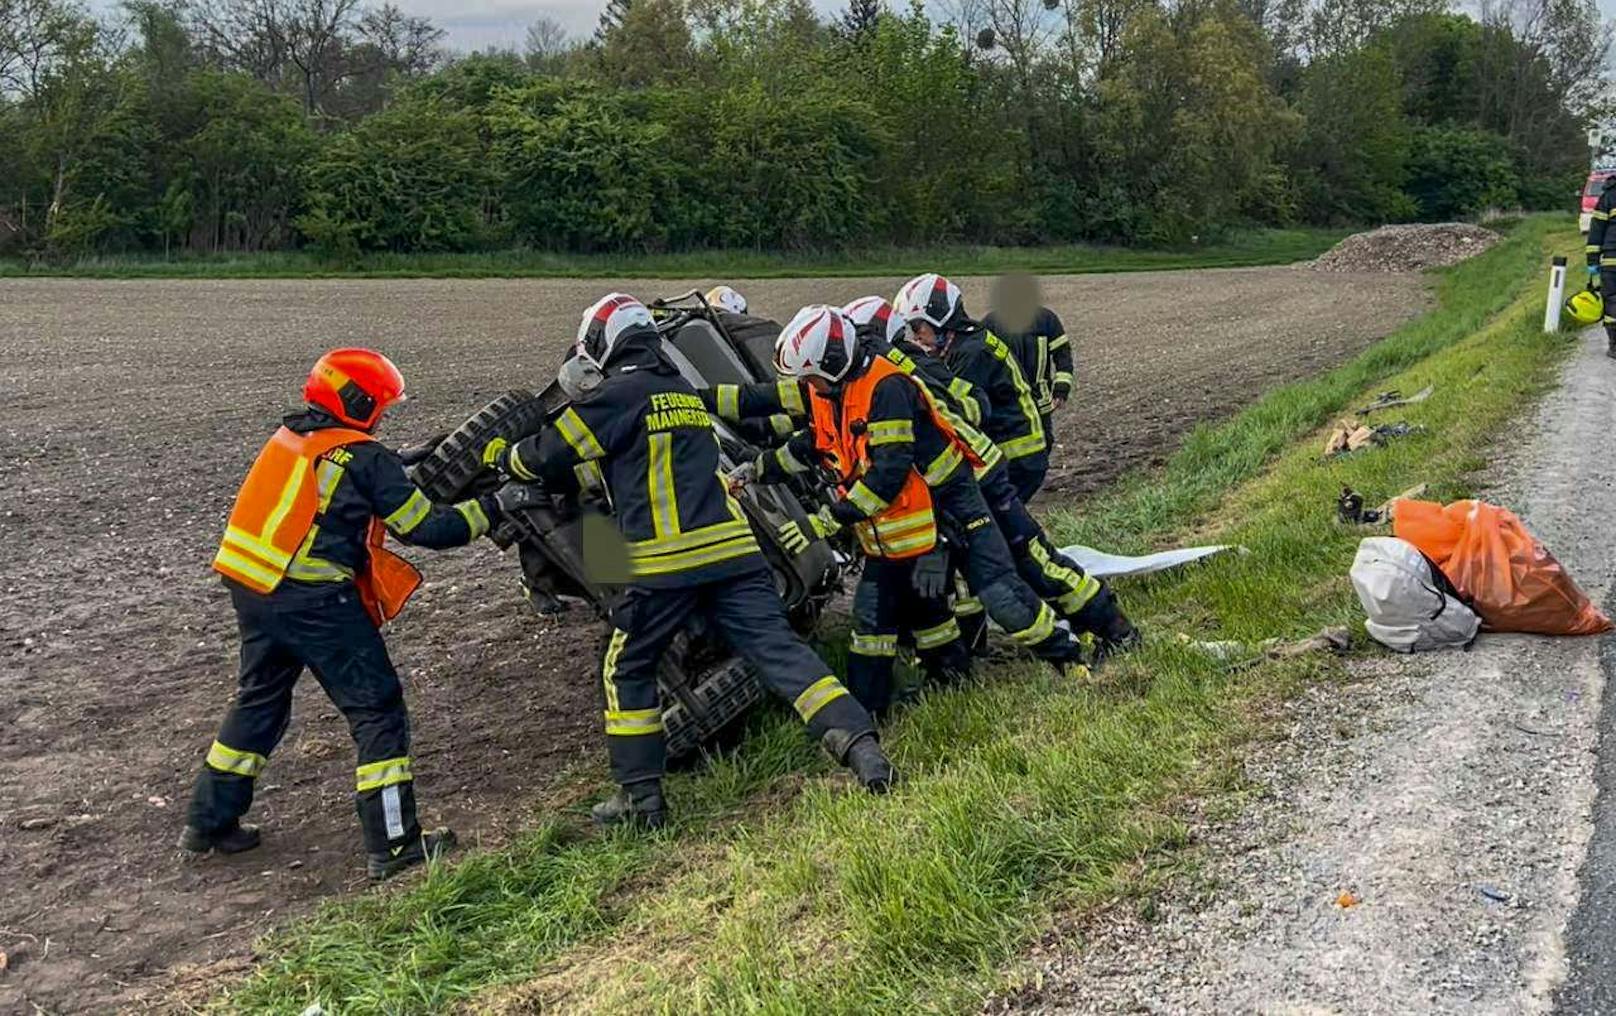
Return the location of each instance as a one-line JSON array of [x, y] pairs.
[[330, 634], [1027, 474], [885, 605], [983, 558], [1607, 291], [748, 613]]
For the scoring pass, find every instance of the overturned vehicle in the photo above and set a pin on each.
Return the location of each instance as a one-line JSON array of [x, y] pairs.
[[706, 686]]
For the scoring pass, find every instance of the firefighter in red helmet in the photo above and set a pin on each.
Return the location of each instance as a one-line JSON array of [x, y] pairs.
[[311, 582]]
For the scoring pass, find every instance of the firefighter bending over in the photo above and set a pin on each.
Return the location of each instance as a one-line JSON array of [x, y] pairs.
[[311, 584], [901, 470], [1087, 604], [638, 425]]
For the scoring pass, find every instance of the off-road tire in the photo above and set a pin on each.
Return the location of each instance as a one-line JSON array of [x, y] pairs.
[[448, 472], [708, 704]]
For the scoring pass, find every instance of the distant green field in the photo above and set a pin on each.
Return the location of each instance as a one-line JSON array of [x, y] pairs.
[[1256, 247]]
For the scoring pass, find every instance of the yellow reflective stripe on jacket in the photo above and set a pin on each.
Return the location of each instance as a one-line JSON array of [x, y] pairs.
[[231, 760], [589, 476], [1606, 260], [579, 436], [938, 635], [327, 475], [782, 425], [885, 432], [1592, 248], [961, 390], [518, 468], [817, 696], [633, 722], [664, 500], [409, 515], [1058, 341], [943, 466], [726, 530], [1040, 629], [691, 559], [788, 461], [790, 395], [873, 645], [1601, 216], [387, 772], [476, 518], [1063, 377], [1024, 398], [866, 500], [964, 606], [728, 398], [305, 567], [1021, 447]]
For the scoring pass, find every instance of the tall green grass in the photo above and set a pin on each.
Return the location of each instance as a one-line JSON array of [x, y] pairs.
[[1256, 247], [783, 889]]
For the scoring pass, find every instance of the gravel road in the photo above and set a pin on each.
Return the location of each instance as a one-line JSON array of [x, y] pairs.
[[129, 412], [1450, 795]]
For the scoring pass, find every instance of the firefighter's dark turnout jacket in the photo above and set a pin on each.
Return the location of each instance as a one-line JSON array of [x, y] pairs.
[[901, 414], [1044, 352], [1007, 403], [647, 436], [313, 618], [1601, 251]]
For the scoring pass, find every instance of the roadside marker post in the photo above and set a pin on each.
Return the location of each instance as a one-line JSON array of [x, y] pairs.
[[1551, 312]]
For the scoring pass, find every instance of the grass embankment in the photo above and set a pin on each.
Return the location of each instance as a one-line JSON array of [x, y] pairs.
[[1257, 247], [1025, 795]]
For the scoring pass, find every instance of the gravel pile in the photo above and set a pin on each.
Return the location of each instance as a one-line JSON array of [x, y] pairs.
[[1410, 248]]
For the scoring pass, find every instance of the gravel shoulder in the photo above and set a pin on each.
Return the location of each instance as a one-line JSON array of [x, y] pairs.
[[1450, 795], [129, 412]]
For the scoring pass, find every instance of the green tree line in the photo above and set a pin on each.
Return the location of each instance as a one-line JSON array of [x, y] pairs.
[[247, 125]]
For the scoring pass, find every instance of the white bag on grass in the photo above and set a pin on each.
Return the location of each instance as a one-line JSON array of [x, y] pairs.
[[1411, 606]]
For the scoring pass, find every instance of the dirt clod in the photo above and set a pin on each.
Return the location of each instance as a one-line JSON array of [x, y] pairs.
[[1413, 247]]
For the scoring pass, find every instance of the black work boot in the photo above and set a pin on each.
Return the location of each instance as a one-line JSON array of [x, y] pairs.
[[429, 846], [232, 839], [871, 765], [638, 804]]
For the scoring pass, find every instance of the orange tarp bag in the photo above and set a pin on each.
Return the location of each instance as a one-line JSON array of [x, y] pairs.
[[387, 581], [1499, 568]]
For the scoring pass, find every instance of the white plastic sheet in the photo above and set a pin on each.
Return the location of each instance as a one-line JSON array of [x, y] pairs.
[[1102, 565]]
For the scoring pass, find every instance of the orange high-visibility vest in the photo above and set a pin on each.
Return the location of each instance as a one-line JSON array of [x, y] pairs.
[[275, 510], [907, 526]]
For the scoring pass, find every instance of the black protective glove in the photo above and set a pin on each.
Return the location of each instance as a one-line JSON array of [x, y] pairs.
[[515, 497], [931, 573], [417, 453]]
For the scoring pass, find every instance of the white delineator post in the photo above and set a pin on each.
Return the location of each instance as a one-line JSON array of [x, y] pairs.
[[1551, 313]]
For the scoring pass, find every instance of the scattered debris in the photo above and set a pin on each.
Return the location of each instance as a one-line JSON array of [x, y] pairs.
[[1103, 565], [1493, 892], [1407, 248], [29, 825], [5, 961], [1348, 899], [1390, 399], [157, 802], [1331, 640], [1350, 435]]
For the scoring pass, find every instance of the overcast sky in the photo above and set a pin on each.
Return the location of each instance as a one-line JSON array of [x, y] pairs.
[[476, 24]]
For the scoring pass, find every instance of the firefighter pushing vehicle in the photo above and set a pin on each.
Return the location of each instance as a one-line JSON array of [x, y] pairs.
[[987, 371], [311, 583], [900, 472], [637, 427], [1085, 603]]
